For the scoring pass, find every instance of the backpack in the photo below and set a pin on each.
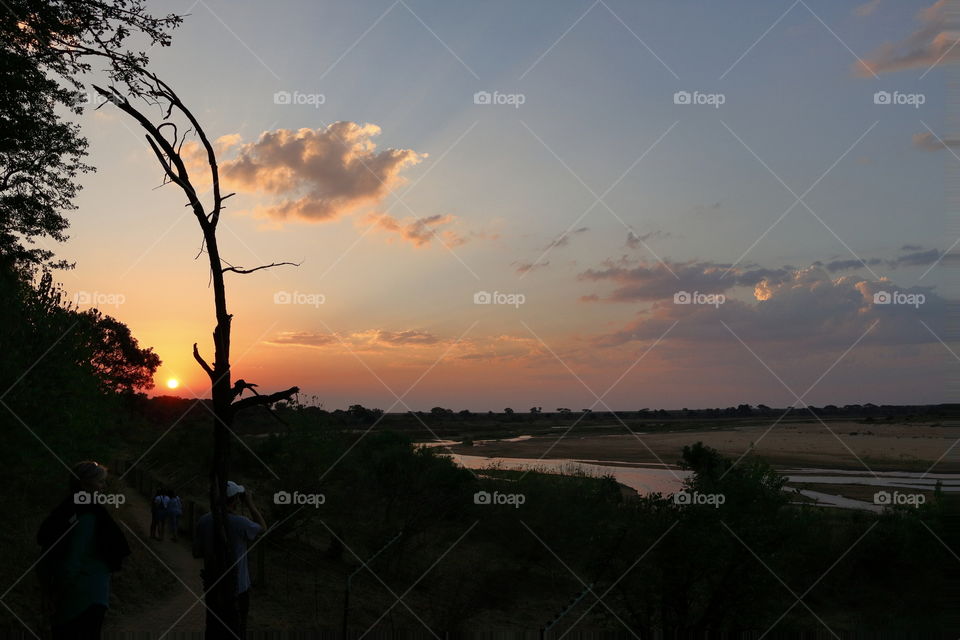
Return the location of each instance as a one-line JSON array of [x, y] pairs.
[[111, 543]]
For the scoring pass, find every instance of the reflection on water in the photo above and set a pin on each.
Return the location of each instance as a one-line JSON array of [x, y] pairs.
[[917, 481], [643, 479], [830, 500], [661, 478]]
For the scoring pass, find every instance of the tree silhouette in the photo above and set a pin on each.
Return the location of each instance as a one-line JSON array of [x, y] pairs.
[[116, 356], [227, 400], [43, 49]]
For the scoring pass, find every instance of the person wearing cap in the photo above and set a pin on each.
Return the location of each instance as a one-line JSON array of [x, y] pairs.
[[222, 622]]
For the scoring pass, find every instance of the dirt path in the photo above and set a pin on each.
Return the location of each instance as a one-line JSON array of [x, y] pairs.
[[178, 558]]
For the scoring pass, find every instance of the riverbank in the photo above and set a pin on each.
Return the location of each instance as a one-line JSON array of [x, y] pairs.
[[840, 464], [832, 445]]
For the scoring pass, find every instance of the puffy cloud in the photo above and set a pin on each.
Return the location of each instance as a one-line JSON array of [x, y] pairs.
[[931, 44], [313, 174], [316, 175]]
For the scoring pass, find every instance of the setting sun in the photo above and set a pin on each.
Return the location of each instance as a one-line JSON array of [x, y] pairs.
[[173, 383]]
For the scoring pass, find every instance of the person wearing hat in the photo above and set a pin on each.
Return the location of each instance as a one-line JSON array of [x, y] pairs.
[[229, 622]]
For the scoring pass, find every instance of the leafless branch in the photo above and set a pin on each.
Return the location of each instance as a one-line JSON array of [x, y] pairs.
[[171, 161], [203, 363], [265, 266]]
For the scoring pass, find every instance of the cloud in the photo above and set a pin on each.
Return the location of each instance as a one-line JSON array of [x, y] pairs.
[[420, 231], [358, 340], [650, 281], [526, 267], [929, 142], [635, 241], [304, 339], [808, 309], [866, 8], [505, 348], [564, 239], [916, 256], [411, 345], [561, 241], [406, 337], [931, 44], [314, 175]]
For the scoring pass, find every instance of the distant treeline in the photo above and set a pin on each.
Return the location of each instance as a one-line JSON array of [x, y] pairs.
[[163, 408]]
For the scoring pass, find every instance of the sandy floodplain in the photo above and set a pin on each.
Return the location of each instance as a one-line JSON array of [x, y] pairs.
[[834, 445]]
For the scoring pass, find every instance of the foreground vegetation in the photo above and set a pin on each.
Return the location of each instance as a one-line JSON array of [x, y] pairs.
[[656, 564]]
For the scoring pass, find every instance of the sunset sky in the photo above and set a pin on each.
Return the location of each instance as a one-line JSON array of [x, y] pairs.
[[587, 190]]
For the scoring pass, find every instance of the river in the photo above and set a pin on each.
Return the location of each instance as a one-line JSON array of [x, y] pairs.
[[653, 478]]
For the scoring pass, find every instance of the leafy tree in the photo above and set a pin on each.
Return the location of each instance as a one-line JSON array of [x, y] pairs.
[[40, 157], [116, 357], [61, 370], [363, 415], [45, 47]]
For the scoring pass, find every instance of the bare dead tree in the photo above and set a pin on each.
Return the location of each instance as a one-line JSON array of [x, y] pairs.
[[166, 142]]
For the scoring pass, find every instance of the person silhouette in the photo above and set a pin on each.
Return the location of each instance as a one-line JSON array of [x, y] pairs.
[[229, 619], [160, 503], [174, 511], [81, 546], [155, 508]]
